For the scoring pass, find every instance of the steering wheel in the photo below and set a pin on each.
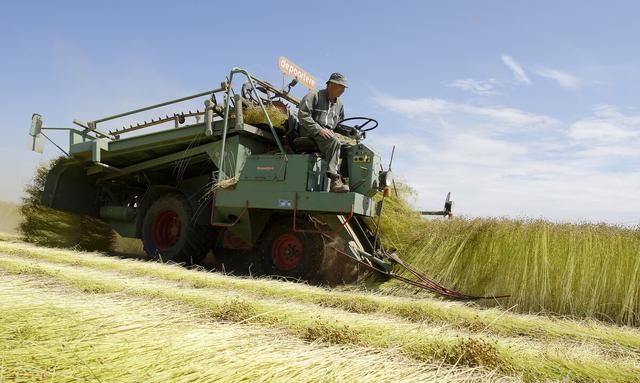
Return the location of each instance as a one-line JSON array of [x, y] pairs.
[[361, 127]]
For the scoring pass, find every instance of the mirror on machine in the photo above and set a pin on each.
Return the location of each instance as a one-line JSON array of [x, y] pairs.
[[36, 140], [36, 124]]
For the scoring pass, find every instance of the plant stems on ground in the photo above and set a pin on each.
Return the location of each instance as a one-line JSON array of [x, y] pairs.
[[522, 347]]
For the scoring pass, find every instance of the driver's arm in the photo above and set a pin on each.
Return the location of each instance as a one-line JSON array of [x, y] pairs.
[[305, 115], [343, 129]]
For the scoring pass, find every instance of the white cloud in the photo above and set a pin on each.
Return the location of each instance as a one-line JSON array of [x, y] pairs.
[[564, 79], [608, 125], [610, 151], [600, 130], [471, 149], [566, 173], [479, 87], [519, 73], [607, 111], [433, 107]]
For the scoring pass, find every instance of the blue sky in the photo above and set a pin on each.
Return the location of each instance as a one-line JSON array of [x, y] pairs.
[[519, 108]]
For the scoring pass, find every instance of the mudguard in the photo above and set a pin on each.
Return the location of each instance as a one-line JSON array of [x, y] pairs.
[[68, 188]]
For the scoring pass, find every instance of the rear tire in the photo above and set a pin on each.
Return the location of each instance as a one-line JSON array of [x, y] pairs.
[[169, 233], [288, 253]]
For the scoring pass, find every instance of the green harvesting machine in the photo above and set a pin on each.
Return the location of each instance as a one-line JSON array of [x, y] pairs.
[[195, 182]]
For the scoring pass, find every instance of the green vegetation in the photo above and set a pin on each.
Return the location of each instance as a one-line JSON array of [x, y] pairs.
[[576, 270]]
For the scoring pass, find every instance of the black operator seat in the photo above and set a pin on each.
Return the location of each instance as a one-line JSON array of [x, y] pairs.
[[299, 144]]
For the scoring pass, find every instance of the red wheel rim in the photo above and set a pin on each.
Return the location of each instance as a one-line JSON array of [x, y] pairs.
[[286, 252], [166, 229]]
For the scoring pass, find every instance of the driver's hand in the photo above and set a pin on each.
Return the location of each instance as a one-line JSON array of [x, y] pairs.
[[326, 133]]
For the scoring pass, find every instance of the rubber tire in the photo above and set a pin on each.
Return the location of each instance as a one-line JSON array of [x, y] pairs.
[[194, 241], [312, 247]]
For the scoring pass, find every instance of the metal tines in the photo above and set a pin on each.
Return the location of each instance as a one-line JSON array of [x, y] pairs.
[[177, 118]]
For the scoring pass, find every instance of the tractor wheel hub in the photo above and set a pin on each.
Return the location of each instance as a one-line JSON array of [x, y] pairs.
[[166, 229], [287, 252]]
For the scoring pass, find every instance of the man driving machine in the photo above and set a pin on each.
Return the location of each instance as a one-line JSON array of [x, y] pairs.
[[318, 114]]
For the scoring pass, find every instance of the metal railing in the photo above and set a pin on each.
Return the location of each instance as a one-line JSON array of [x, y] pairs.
[[225, 126]]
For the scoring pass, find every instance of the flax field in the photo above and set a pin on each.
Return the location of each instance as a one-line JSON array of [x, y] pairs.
[[573, 270]]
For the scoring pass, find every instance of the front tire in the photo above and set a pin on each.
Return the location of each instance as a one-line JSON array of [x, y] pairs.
[[169, 233]]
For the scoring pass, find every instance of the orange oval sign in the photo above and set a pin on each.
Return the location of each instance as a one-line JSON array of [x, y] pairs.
[[289, 68]]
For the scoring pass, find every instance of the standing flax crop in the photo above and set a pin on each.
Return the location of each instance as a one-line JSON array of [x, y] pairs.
[[580, 270]]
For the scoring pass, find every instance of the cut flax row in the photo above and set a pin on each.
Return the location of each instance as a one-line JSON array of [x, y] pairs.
[[578, 270], [435, 312], [530, 358], [60, 335]]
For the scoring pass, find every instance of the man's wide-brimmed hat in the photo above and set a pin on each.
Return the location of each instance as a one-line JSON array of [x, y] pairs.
[[338, 78]]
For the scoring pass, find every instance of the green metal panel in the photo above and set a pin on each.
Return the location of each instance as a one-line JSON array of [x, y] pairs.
[[164, 160], [263, 173], [90, 150], [264, 168], [364, 167], [162, 148], [82, 150], [169, 139], [237, 149], [261, 186], [77, 137], [135, 149], [338, 203]]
